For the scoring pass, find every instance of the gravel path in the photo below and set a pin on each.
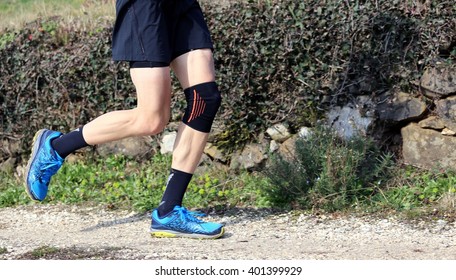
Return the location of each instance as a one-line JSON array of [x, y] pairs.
[[75, 232]]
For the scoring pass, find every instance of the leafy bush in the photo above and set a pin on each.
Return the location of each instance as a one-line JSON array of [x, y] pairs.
[[59, 78], [286, 60], [327, 172], [277, 60]]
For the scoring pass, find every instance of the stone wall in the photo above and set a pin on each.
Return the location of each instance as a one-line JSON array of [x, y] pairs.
[[425, 120], [430, 141]]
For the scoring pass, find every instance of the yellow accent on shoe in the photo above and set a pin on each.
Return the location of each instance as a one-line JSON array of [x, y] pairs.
[[161, 234], [164, 234]]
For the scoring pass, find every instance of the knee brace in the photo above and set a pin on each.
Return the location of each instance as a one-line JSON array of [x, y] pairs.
[[203, 102]]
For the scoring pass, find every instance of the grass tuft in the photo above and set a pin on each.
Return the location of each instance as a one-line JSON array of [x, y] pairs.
[[85, 14]]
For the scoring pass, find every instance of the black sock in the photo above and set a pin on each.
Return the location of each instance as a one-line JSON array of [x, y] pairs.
[[68, 143], [175, 190]]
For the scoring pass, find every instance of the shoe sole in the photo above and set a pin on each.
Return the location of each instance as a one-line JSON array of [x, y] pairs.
[[36, 144], [175, 234]]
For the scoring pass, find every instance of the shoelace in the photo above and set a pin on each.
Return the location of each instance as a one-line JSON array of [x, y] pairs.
[[190, 215]]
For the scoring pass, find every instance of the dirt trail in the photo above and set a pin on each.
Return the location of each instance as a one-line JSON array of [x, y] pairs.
[[75, 232]]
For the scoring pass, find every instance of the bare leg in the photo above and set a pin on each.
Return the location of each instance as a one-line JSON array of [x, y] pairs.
[[153, 86], [192, 68]]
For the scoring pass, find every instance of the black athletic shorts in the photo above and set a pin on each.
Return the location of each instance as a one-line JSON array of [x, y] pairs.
[[157, 31]]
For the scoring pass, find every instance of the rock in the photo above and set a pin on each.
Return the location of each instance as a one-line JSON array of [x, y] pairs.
[[448, 132], [278, 132], [400, 107], [287, 149], [432, 122], [446, 110], [273, 146], [213, 152], [207, 165], [427, 148], [235, 163], [251, 157], [349, 121], [439, 81], [131, 147], [304, 132], [167, 142], [204, 160], [8, 165], [11, 147]]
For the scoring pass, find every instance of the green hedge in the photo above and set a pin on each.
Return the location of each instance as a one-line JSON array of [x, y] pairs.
[[276, 60]]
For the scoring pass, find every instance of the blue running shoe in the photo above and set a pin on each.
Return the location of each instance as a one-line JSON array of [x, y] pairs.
[[43, 163], [183, 223]]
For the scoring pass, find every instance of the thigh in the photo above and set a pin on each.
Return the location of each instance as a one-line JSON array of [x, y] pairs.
[[194, 67], [153, 87]]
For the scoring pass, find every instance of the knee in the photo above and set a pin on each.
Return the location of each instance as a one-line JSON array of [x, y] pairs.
[[203, 102], [152, 124]]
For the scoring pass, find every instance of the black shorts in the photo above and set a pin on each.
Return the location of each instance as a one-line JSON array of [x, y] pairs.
[[158, 31]]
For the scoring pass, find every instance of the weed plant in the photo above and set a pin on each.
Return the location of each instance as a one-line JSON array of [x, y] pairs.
[[119, 182], [327, 172], [414, 188]]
